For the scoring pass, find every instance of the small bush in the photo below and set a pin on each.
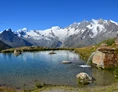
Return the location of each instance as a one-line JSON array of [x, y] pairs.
[[110, 42]]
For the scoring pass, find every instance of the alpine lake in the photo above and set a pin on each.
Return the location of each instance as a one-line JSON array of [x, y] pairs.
[[25, 70]]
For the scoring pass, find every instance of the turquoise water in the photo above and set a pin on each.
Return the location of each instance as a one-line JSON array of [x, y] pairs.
[[25, 70]]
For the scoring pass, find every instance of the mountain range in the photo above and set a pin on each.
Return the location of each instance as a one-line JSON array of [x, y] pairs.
[[80, 34]]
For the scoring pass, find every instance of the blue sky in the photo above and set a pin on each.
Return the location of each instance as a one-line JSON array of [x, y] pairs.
[[43, 14]]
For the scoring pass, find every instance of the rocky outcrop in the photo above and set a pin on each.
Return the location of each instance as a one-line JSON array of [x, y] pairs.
[[84, 78], [105, 58], [98, 59], [17, 52]]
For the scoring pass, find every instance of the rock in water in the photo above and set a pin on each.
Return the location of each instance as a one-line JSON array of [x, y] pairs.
[[66, 62], [52, 52], [84, 66], [84, 78], [16, 53]]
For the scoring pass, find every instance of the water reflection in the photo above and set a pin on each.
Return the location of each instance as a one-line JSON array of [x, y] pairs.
[[6, 56], [31, 66]]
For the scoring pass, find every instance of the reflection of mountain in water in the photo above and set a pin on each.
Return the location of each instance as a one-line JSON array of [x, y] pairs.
[[31, 66]]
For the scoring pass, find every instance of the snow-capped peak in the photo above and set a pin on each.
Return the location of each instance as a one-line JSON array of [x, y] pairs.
[[94, 21], [74, 25], [22, 30], [94, 27], [114, 22], [55, 28]]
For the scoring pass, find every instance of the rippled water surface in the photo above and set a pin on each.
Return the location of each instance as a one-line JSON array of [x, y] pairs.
[[30, 67]]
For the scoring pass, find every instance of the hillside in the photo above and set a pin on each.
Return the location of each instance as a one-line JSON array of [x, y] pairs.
[[4, 46], [8, 37]]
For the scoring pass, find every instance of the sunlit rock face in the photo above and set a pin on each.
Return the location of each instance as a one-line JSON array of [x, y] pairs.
[[98, 59], [105, 58]]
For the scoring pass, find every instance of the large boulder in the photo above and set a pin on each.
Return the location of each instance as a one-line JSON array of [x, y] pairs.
[[84, 78], [98, 59], [105, 58]]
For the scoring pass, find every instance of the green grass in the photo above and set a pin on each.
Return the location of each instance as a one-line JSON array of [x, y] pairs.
[[108, 42], [7, 89], [33, 48], [51, 88], [85, 52], [109, 88]]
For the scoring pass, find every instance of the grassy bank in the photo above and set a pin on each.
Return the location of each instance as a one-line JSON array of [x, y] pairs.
[[33, 48], [7, 89], [85, 52], [109, 88]]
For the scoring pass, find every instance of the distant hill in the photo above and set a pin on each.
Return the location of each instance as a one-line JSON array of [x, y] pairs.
[[12, 39], [4, 46]]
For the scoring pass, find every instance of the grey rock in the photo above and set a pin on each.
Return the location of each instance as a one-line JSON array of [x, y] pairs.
[[84, 78]]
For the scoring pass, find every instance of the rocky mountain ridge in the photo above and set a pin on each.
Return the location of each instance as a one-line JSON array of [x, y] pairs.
[[80, 34]]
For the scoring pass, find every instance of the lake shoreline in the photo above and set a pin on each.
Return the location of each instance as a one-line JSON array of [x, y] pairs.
[[108, 88], [33, 48], [52, 88]]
